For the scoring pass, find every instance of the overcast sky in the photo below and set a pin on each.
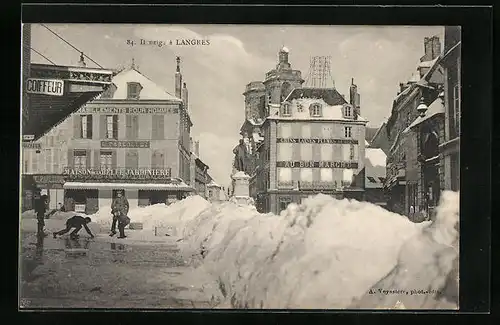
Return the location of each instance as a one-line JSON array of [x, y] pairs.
[[378, 58]]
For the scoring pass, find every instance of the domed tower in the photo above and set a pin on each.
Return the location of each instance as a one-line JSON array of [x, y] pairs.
[[254, 94], [282, 80]]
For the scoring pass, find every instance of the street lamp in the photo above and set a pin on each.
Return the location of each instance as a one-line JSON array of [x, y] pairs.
[[422, 108]]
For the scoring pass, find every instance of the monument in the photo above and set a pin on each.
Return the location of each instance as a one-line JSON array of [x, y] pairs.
[[240, 177]]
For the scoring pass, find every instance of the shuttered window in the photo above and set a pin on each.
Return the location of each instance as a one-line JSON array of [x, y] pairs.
[[48, 160], [158, 130], [158, 160], [34, 162], [132, 127], [86, 126], [112, 127], [131, 159]]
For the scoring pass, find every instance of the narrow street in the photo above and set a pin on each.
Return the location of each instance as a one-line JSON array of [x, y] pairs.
[[59, 273]]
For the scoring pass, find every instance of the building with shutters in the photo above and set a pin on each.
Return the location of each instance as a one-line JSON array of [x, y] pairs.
[[134, 137]]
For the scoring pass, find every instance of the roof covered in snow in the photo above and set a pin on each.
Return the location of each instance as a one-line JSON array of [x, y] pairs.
[[329, 95], [150, 90], [213, 184], [300, 110], [376, 156], [435, 108]]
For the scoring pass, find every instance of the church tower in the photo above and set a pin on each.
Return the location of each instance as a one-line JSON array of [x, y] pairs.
[[282, 80]]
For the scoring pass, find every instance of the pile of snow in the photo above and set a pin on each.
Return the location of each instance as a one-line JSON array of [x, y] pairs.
[[158, 215], [324, 253]]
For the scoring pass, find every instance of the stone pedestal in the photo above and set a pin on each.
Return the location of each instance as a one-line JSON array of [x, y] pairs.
[[241, 191]]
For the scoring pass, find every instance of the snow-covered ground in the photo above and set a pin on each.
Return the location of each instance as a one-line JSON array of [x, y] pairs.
[[328, 253], [324, 253]]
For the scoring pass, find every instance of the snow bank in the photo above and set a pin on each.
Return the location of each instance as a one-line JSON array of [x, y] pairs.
[[324, 253], [158, 215]]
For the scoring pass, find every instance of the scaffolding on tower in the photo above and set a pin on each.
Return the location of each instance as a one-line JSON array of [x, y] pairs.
[[320, 74]]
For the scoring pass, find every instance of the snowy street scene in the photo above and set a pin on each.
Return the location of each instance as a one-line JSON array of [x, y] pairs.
[[240, 167]]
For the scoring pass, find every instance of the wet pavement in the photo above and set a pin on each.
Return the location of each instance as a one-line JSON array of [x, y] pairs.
[[83, 273]]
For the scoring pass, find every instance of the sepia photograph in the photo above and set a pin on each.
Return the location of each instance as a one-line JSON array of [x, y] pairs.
[[240, 166]]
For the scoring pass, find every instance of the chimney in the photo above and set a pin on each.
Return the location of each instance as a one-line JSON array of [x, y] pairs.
[[427, 50], [354, 98], [185, 96], [436, 47], [178, 79], [197, 148]]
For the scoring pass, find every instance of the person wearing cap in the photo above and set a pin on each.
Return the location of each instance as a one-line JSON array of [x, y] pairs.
[[76, 222], [40, 209], [119, 209]]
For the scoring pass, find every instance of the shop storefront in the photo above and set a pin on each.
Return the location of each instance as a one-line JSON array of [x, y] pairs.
[[91, 189]]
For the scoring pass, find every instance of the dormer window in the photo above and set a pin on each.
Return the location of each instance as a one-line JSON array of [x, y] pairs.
[[315, 110], [286, 110], [133, 90], [348, 111]]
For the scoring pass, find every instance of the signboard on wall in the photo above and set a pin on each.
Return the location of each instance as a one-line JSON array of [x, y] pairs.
[[124, 144], [127, 110], [317, 164], [122, 174], [51, 87], [317, 140], [32, 145]]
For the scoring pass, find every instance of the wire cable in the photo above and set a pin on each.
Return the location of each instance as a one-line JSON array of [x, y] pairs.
[[43, 56], [50, 30]]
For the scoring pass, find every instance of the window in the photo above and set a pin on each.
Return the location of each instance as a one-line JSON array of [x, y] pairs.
[[132, 127], [351, 153], [306, 131], [86, 126], [284, 202], [106, 158], [284, 175], [132, 159], [285, 151], [306, 175], [55, 160], [157, 161], [284, 130], [159, 127], [306, 151], [371, 179], [48, 160], [286, 111], [348, 131], [34, 162], [316, 110], [456, 108], [348, 111], [112, 127], [326, 151], [80, 159], [326, 174], [133, 90]]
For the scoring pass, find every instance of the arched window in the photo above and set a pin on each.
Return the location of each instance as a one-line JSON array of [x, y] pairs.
[[315, 109], [286, 111]]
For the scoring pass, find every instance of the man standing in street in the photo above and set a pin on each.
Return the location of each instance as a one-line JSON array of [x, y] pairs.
[[40, 209], [119, 208]]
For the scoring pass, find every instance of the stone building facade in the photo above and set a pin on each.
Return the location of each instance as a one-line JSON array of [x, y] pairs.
[[403, 182], [450, 147], [134, 137]]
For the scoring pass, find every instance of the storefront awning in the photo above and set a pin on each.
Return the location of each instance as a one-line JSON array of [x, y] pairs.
[[132, 186], [57, 91]]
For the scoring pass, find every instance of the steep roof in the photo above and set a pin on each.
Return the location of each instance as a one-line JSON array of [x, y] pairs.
[[150, 90], [329, 95]]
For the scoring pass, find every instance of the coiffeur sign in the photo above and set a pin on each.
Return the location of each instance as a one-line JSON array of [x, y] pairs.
[[52, 87], [116, 173]]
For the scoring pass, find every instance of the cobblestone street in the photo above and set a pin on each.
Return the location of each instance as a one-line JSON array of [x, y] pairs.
[[59, 273]]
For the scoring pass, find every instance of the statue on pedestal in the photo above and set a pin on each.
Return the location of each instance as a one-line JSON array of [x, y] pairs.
[[240, 156]]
